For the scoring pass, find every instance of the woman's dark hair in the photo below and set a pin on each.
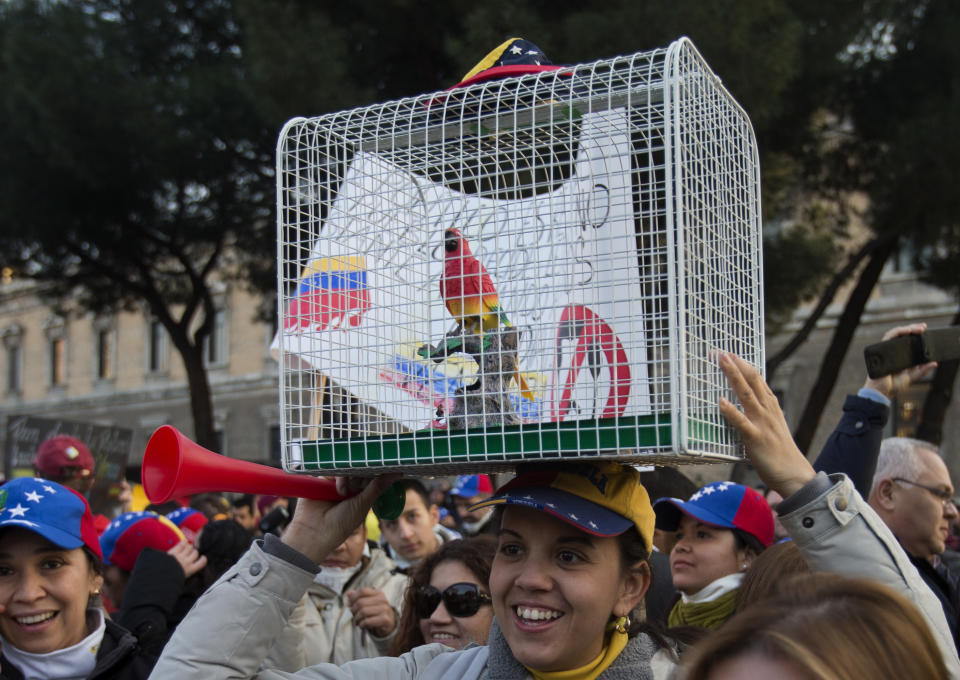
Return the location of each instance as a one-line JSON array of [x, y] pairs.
[[476, 554], [744, 541], [633, 549], [223, 542], [163, 508], [96, 566]]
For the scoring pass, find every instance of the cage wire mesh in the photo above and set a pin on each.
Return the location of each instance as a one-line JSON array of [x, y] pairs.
[[528, 268]]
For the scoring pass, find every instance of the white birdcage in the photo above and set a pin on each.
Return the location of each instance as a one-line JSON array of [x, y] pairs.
[[616, 207]]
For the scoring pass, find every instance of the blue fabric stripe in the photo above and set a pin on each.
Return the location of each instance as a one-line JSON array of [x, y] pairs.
[[342, 280]]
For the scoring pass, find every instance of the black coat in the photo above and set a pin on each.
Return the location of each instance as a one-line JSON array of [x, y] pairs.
[[120, 658], [156, 599]]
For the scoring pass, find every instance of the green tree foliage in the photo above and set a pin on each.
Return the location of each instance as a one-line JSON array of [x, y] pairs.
[[896, 95], [135, 161], [307, 58], [140, 135]]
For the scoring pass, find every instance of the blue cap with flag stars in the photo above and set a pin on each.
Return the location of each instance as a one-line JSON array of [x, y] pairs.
[[55, 512], [721, 504], [127, 535], [469, 486]]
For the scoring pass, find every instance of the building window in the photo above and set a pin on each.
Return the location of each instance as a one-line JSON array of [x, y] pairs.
[[14, 374], [215, 344], [105, 346], [58, 362], [55, 329], [13, 346], [156, 347]]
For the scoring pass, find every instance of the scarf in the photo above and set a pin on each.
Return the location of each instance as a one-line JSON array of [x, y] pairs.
[[611, 649], [710, 607], [633, 663], [472, 528], [335, 578], [71, 663]]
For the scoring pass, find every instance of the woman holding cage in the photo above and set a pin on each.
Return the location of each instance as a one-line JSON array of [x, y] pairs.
[[570, 569]]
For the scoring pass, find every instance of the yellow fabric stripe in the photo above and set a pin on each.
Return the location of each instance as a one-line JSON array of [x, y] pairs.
[[593, 669], [488, 60]]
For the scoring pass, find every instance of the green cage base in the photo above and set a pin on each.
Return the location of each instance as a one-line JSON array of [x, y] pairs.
[[505, 445]]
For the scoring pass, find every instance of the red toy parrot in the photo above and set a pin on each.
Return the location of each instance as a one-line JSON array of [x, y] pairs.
[[469, 295]]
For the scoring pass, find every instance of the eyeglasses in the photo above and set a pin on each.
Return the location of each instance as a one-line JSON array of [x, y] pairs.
[[943, 495], [460, 599]]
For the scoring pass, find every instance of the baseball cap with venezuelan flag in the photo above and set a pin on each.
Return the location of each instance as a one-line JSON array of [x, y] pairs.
[[59, 514], [513, 57], [131, 532], [189, 521], [720, 504], [603, 498]]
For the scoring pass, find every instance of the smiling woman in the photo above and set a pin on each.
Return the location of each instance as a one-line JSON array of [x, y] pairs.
[[448, 599], [50, 577], [569, 569]]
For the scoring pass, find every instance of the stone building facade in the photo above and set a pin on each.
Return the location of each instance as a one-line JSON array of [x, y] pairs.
[[122, 371]]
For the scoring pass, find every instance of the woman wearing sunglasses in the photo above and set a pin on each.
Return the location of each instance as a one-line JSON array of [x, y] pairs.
[[448, 599]]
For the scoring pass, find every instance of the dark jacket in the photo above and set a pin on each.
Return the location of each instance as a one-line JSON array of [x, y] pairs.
[[944, 585], [661, 596], [120, 658], [854, 445], [156, 599]]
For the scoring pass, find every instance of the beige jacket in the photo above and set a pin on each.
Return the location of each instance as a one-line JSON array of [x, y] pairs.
[[838, 532], [321, 627]]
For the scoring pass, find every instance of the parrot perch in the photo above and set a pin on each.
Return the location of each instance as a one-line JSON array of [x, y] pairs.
[[469, 295]]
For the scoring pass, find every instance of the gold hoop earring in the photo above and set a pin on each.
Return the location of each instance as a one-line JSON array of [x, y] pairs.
[[622, 625]]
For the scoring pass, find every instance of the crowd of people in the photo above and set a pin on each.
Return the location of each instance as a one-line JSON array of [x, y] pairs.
[[836, 569]]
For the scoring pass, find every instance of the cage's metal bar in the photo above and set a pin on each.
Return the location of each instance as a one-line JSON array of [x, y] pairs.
[[519, 120]]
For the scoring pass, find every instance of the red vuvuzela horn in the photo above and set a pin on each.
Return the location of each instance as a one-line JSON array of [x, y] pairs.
[[175, 466]]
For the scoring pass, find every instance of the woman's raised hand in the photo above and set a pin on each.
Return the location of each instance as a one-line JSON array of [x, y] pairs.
[[763, 429], [187, 556]]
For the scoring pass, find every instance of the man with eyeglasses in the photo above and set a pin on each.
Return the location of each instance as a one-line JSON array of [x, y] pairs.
[[912, 493]]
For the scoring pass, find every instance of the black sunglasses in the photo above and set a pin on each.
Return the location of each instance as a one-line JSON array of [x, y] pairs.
[[460, 599]]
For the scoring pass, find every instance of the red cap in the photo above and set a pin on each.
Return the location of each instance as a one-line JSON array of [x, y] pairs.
[[131, 532], [60, 452], [190, 522]]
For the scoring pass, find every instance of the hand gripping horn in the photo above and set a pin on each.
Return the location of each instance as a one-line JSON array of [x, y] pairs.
[[175, 466]]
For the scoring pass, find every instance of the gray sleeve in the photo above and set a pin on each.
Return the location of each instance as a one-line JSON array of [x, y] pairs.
[[272, 545], [838, 532], [231, 628]]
